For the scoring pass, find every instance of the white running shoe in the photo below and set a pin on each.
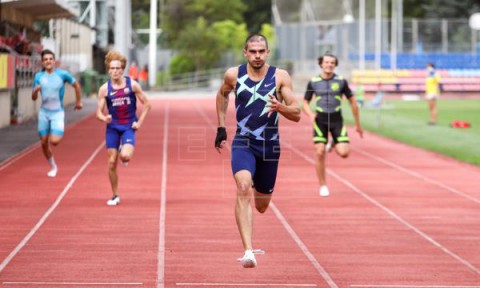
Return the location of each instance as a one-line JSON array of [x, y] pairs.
[[248, 260], [53, 172], [324, 191], [114, 201]]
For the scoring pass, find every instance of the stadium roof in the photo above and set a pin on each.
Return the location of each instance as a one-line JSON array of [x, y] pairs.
[[41, 9]]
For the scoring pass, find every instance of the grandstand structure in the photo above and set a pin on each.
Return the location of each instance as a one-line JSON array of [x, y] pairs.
[[374, 48], [413, 80]]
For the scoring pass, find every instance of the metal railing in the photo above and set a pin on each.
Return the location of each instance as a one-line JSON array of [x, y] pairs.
[[199, 79]]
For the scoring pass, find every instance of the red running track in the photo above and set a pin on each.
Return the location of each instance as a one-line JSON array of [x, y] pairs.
[[397, 217]]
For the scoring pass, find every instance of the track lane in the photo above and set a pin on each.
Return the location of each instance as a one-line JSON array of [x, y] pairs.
[[430, 207], [202, 239], [374, 219], [26, 191], [86, 242], [356, 242]]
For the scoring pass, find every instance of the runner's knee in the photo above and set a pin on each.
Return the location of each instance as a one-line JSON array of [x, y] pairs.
[[125, 157], [243, 187], [262, 201], [343, 153], [261, 206], [112, 163], [320, 151]]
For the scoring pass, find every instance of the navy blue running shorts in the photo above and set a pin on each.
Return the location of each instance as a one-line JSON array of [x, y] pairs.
[[119, 134], [260, 158]]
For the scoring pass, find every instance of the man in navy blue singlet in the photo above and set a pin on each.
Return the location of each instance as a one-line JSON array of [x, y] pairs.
[[120, 95], [262, 94]]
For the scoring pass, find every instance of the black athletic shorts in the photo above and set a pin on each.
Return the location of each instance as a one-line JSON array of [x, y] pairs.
[[329, 122]]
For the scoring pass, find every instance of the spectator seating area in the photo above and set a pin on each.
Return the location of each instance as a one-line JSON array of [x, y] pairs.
[[452, 80], [416, 61]]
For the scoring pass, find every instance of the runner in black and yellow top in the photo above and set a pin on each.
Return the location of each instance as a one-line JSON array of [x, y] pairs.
[[328, 89]]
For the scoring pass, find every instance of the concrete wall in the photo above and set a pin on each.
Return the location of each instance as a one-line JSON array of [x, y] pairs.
[[5, 104], [69, 95], [75, 51], [27, 109]]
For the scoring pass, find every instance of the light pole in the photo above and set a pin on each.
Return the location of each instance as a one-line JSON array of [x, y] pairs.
[[152, 46]]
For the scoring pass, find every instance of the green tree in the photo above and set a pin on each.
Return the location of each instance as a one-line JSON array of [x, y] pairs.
[[181, 64], [438, 8], [200, 43], [143, 5], [231, 37], [180, 14], [141, 20], [451, 9], [141, 17], [268, 31], [214, 10], [258, 12]]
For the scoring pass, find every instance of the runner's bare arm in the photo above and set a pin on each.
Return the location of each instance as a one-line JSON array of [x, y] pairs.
[[307, 99], [78, 95], [356, 115], [101, 101], [287, 104], [307, 110], [228, 85], [35, 92], [142, 97]]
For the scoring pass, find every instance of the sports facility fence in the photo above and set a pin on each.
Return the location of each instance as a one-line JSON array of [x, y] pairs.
[[308, 28]]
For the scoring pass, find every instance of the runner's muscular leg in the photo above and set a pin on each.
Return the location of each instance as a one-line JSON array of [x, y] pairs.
[[112, 169], [126, 153], [44, 140], [262, 200], [55, 139], [432, 105], [243, 210], [320, 162], [342, 149]]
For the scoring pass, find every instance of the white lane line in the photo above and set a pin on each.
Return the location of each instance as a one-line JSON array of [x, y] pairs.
[[289, 229], [303, 247], [75, 283], [50, 210], [246, 284], [418, 175], [389, 212], [163, 194], [409, 286]]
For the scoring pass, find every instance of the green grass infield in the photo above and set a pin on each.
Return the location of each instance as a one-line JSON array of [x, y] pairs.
[[406, 121]]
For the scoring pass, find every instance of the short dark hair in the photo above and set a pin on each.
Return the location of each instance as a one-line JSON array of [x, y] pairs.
[[256, 37], [431, 65], [328, 54], [48, 52]]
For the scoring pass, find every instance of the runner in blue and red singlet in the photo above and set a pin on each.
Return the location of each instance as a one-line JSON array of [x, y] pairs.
[[120, 95]]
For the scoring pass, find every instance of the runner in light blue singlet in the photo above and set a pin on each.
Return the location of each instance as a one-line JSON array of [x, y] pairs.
[[50, 84], [51, 114]]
